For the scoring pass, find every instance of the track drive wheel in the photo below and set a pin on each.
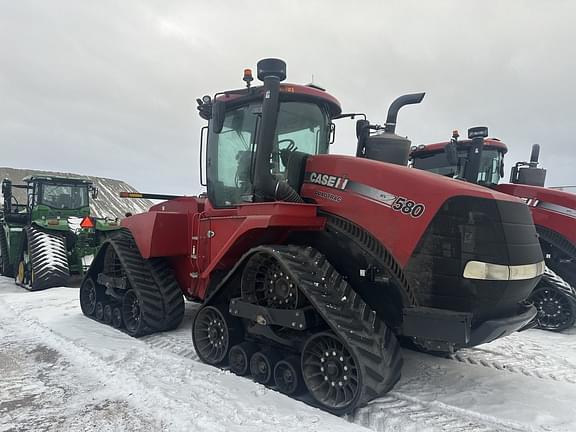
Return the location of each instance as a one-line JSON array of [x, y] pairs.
[[288, 376], [214, 332], [239, 357], [331, 372]]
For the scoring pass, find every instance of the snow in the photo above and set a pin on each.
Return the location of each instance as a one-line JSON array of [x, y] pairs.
[[62, 371]]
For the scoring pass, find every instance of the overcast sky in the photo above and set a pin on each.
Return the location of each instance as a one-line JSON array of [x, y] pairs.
[[108, 87]]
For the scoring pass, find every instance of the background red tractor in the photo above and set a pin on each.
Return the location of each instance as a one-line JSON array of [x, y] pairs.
[[481, 161], [310, 267]]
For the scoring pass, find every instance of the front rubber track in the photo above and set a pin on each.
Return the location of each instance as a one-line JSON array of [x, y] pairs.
[[350, 318], [161, 299], [363, 333]]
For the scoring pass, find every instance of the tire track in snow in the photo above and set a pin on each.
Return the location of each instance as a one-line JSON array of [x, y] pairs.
[[206, 391], [179, 344], [520, 358], [383, 414]]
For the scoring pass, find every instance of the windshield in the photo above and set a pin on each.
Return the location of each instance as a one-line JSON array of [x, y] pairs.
[[301, 126], [490, 166], [63, 196]]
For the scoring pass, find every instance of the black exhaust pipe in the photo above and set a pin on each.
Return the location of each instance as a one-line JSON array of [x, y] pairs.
[[408, 99], [534, 155], [271, 72]]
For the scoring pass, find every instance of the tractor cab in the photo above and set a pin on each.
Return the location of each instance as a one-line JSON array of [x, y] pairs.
[[47, 197], [477, 160], [290, 121]]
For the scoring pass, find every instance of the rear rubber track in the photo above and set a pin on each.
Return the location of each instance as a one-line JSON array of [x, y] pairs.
[[348, 316], [48, 259], [161, 299], [5, 267]]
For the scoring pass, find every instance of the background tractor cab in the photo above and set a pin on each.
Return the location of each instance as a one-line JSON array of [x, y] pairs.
[[481, 160], [46, 238], [477, 160]]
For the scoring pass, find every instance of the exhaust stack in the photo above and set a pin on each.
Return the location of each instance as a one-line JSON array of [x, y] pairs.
[[385, 145]]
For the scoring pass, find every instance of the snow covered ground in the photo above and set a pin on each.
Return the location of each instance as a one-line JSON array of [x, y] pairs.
[[62, 371]]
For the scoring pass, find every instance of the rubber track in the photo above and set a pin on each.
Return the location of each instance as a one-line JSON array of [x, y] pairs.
[[48, 257], [557, 240], [5, 267], [162, 304], [349, 317]]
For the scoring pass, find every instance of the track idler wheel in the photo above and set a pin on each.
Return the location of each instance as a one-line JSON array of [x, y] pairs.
[[107, 314], [88, 297], [117, 318], [331, 372], [214, 332], [262, 366], [239, 357], [288, 376], [132, 313], [556, 311]]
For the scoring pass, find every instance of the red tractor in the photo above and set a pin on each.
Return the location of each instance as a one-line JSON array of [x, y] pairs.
[[481, 160], [311, 267]]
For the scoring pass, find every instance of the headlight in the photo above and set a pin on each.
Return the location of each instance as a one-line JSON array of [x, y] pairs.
[[489, 271]]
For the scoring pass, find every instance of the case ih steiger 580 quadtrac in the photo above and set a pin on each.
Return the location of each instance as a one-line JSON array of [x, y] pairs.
[[311, 266], [50, 236], [481, 160]]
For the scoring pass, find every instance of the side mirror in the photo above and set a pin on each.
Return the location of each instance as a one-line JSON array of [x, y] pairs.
[[331, 133], [502, 173], [218, 115], [95, 192], [451, 153]]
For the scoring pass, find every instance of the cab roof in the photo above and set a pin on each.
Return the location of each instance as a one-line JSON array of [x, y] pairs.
[[309, 91], [57, 179], [438, 147]]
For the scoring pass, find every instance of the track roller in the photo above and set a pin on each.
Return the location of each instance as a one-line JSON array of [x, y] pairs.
[[99, 311], [262, 366], [107, 314], [132, 313], [288, 376], [239, 357], [117, 321]]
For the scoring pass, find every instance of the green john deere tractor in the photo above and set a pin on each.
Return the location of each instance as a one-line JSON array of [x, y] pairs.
[[51, 235]]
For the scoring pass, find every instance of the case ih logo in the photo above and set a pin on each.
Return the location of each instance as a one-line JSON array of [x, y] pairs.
[[397, 203], [326, 180]]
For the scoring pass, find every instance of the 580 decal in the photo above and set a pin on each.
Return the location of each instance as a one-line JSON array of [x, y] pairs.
[[408, 207]]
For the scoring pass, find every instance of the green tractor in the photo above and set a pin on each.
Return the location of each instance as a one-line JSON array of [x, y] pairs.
[[52, 235]]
